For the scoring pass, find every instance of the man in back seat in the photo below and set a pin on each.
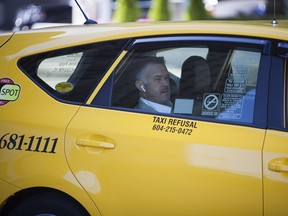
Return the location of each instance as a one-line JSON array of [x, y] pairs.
[[152, 81]]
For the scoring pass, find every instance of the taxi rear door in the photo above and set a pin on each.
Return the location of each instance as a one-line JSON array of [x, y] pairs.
[[132, 162], [275, 164]]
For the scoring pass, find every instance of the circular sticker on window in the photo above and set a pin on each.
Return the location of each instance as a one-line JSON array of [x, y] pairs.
[[64, 87]]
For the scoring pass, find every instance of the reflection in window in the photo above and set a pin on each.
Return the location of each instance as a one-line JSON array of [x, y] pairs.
[[71, 73], [237, 99], [212, 82], [58, 69]]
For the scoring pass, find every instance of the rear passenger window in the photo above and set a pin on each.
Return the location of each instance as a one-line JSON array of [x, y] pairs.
[[238, 96], [57, 71], [206, 80], [71, 74]]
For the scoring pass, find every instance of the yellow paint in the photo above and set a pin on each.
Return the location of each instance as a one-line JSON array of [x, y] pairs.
[[113, 162]]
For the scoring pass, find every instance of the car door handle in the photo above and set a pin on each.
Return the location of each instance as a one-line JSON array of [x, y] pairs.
[[278, 165], [95, 141]]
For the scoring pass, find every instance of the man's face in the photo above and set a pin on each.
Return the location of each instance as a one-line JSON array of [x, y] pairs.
[[157, 84]]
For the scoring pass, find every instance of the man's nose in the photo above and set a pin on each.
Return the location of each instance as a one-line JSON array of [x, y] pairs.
[[165, 82]]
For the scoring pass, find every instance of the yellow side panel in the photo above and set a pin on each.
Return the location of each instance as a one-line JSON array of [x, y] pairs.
[[32, 131], [131, 165], [6, 190], [275, 168], [4, 38]]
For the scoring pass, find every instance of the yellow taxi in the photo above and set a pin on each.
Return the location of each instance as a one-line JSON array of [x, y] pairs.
[[73, 140]]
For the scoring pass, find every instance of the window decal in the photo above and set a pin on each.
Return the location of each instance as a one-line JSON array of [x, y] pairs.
[[64, 87], [9, 91]]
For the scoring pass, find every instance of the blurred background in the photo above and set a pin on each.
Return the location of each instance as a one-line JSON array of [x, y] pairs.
[[25, 14]]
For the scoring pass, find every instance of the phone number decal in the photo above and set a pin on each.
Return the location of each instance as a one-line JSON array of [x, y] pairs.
[[12, 141], [172, 129], [173, 125]]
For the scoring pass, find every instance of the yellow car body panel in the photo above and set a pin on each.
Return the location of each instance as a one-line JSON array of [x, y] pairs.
[[275, 173], [4, 38], [125, 162], [37, 138], [42, 40], [140, 170], [6, 190]]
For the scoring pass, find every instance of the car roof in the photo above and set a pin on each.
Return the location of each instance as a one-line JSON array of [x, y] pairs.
[[62, 36]]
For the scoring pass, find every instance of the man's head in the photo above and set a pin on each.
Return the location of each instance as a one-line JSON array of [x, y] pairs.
[[152, 80]]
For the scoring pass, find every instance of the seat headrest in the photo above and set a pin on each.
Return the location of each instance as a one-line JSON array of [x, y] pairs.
[[195, 77]]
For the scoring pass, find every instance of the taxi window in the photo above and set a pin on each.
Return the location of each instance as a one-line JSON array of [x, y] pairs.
[[70, 74], [59, 69], [206, 80], [238, 96]]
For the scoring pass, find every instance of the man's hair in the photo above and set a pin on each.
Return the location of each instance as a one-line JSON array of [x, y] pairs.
[[142, 63]]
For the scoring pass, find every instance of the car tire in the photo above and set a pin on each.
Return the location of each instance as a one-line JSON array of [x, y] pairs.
[[49, 204]]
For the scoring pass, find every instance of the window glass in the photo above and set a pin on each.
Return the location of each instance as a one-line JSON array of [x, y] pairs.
[[59, 69], [237, 99], [208, 80], [72, 73], [174, 64]]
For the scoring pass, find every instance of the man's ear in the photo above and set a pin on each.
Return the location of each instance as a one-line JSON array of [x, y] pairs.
[[139, 85]]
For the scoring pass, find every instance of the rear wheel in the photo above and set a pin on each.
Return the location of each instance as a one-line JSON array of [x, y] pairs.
[[49, 204]]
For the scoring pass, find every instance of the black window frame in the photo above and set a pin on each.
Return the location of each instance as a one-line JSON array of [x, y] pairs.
[[278, 90], [80, 94], [261, 99]]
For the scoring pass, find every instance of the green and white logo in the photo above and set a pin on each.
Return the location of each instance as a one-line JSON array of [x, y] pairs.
[[9, 91]]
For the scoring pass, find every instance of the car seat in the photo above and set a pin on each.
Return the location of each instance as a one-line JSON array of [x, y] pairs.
[[195, 81], [195, 78]]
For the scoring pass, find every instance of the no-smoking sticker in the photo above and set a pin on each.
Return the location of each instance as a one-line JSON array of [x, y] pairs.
[[211, 104]]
